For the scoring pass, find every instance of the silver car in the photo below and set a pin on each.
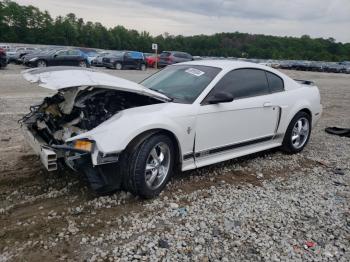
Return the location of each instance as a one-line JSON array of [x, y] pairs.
[[172, 57]]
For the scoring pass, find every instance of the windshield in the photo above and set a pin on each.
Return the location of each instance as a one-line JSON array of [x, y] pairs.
[[182, 83]]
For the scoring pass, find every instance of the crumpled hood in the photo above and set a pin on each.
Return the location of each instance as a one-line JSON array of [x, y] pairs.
[[63, 77]]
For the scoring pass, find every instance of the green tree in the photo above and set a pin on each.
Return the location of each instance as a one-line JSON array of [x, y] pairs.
[[28, 24]]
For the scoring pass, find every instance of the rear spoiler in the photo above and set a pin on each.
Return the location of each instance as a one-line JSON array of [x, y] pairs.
[[305, 82]]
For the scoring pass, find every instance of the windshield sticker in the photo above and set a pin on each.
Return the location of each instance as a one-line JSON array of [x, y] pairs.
[[194, 71]]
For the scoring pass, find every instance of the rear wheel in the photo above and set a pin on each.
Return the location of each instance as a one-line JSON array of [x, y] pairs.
[[82, 64], [142, 67], [298, 133], [41, 63], [148, 167]]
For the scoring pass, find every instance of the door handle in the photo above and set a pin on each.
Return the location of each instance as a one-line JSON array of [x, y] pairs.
[[267, 104]]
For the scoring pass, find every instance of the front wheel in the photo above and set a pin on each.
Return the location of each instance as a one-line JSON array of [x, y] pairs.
[[118, 66], [41, 63], [149, 167], [298, 133]]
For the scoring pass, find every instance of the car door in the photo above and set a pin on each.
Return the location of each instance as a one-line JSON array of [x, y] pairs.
[[180, 57], [188, 57], [60, 58], [251, 118], [73, 57], [128, 60]]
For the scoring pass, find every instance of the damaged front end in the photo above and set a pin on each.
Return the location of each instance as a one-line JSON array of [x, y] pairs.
[[73, 111]]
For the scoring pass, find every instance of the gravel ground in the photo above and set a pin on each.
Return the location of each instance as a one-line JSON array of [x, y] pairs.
[[264, 207]]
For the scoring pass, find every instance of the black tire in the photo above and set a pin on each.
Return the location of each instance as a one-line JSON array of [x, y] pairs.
[[133, 165], [287, 145], [41, 63], [143, 67], [83, 64], [118, 66]]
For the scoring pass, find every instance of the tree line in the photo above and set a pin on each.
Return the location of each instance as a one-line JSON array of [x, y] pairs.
[[28, 24]]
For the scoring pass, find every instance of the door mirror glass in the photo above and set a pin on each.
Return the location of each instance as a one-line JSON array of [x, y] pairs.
[[220, 97]]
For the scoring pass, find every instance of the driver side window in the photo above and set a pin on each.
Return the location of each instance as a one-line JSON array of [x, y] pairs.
[[73, 52], [242, 83], [61, 53]]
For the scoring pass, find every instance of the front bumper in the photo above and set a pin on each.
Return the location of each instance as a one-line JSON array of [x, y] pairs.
[[108, 65], [48, 156]]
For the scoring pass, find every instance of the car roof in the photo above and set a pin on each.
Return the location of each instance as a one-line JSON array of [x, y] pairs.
[[226, 64], [182, 52]]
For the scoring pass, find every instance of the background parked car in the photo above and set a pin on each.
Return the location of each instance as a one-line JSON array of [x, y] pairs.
[[173, 57], [151, 59], [97, 61], [90, 54], [5, 46], [65, 57], [125, 59], [14, 55], [39, 52], [19, 57], [3, 58]]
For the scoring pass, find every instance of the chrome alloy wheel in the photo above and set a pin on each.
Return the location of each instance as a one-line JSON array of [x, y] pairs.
[[157, 165], [300, 132]]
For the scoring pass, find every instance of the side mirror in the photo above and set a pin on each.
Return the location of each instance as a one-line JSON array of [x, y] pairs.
[[220, 97], [55, 55]]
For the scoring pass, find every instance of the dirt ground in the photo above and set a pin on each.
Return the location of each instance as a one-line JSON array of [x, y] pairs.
[[37, 207]]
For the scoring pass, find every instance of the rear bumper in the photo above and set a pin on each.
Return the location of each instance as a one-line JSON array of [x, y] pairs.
[[3, 61], [317, 115], [48, 156]]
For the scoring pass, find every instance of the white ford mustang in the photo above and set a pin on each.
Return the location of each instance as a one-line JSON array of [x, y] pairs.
[[120, 134]]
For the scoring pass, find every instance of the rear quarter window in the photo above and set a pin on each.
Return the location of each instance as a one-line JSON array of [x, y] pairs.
[[136, 55], [165, 54], [276, 83]]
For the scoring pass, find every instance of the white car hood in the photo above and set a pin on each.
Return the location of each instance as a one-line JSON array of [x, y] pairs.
[[63, 77]]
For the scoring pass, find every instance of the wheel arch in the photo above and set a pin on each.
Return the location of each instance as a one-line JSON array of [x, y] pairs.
[[137, 140], [301, 109], [42, 59], [292, 115], [307, 111]]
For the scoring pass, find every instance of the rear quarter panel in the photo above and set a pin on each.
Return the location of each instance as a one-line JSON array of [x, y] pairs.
[[299, 98]]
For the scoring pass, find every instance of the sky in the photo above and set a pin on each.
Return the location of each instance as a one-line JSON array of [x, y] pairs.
[[317, 18]]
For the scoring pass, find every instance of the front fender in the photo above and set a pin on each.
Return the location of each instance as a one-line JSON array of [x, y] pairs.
[[115, 134]]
